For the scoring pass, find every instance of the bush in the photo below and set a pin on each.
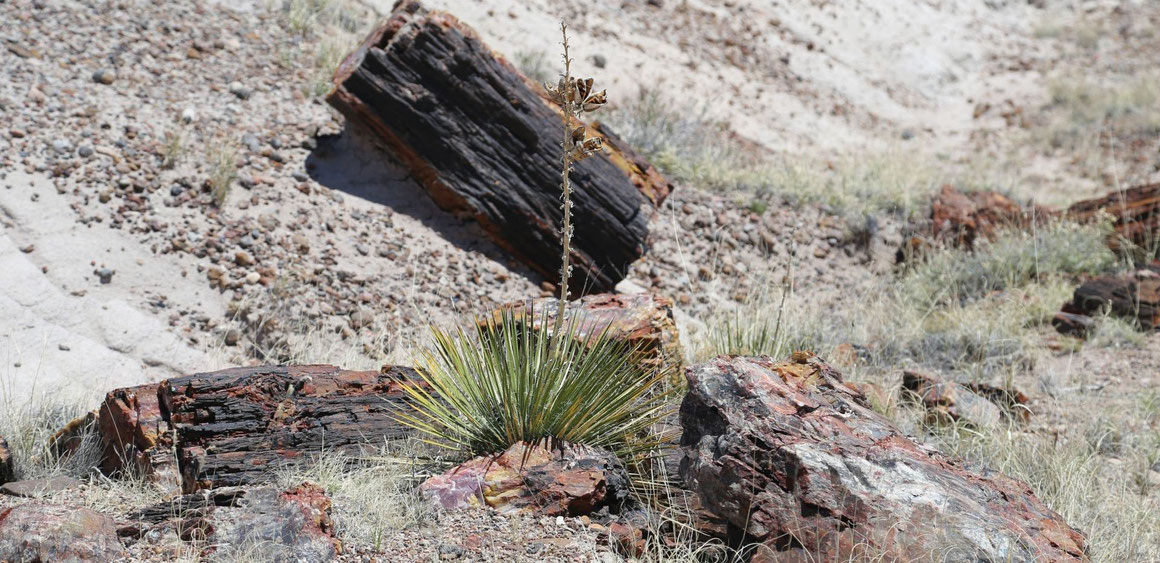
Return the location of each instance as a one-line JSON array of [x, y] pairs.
[[510, 380]]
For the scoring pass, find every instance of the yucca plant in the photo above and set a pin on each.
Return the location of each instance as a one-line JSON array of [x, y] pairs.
[[510, 380]]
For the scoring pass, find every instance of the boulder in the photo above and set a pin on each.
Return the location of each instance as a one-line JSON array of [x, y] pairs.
[[272, 525], [571, 480], [947, 402], [1135, 295], [644, 321], [53, 532], [797, 461]]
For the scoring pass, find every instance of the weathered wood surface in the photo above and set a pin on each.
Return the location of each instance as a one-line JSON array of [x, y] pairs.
[[485, 143], [235, 426], [1135, 214], [1133, 295]]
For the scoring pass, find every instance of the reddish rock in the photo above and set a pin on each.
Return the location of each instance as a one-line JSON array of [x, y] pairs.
[[572, 480], [272, 525], [1135, 214], [644, 321], [961, 219], [38, 487], [235, 426], [797, 461], [947, 402], [1135, 295], [44, 532], [135, 436], [1014, 403], [260, 523]]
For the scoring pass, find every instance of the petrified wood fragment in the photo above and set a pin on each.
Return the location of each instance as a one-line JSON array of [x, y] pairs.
[[235, 426], [486, 143]]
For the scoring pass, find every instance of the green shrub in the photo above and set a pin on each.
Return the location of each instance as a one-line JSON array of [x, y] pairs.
[[510, 380]]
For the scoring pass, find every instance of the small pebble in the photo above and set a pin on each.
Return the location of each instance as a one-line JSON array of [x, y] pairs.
[[104, 76], [85, 151]]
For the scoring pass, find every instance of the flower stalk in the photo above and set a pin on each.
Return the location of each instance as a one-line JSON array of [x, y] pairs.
[[575, 97]]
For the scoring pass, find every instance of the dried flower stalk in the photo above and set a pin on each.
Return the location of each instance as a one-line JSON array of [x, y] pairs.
[[575, 97]]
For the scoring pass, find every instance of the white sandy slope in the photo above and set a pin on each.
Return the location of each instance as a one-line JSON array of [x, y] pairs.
[[62, 332], [793, 75]]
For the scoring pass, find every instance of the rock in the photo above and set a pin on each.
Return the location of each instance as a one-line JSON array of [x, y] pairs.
[[61, 146], [253, 523], [1135, 214], [85, 151], [573, 480], [961, 219], [104, 76], [272, 525], [237, 89], [105, 275], [189, 115], [797, 461], [32, 488], [361, 318], [947, 402], [599, 61], [7, 469], [238, 426], [135, 437], [1072, 324], [644, 321], [1134, 295], [253, 278], [1013, 402], [43, 532]]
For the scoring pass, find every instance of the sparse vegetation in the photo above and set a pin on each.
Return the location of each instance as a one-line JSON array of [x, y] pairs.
[[965, 312], [687, 145], [1082, 111], [222, 159]]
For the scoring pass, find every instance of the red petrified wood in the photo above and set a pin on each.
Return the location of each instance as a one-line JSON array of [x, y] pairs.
[[796, 460]]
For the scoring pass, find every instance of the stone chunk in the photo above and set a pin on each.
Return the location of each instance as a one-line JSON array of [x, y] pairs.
[[571, 481], [44, 532], [797, 461]]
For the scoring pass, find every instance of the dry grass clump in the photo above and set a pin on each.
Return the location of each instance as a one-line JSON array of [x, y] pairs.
[[332, 29], [373, 495], [687, 145], [1084, 110], [222, 159], [968, 313], [1072, 477]]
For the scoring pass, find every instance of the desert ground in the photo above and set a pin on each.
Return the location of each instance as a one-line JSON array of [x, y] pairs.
[[178, 196]]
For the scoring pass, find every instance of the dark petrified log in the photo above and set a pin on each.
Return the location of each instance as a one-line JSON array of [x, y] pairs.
[[1135, 214], [235, 426], [485, 143]]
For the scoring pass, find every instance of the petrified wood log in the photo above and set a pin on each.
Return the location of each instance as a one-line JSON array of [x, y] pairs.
[[1135, 214], [235, 426], [1131, 295], [794, 459], [485, 143]]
